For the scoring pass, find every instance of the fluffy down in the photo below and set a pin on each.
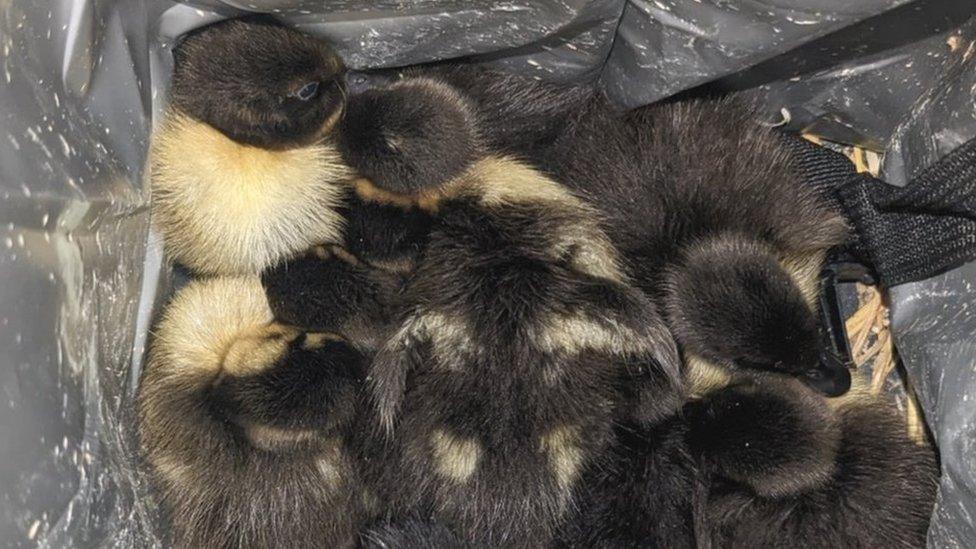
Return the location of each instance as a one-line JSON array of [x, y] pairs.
[[501, 385], [728, 231], [229, 208], [245, 424]]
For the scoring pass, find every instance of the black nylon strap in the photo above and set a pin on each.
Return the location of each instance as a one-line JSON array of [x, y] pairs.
[[824, 169], [948, 186], [903, 234]]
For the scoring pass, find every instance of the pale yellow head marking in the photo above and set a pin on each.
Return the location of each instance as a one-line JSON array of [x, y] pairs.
[[805, 269], [563, 446], [268, 437], [456, 458], [318, 340], [254, 350], [205, 319], [576, 333], [704, 376]]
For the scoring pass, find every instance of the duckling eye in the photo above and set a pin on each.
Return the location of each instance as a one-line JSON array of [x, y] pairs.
[[307, 91]]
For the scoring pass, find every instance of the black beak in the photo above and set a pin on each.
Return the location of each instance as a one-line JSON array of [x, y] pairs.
[[831, 377]]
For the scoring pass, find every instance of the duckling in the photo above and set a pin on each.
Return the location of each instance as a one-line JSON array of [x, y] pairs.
[[763, 462], [502, 381], [785, 466], [245, 423], [242, 173], [398, 140], [734, 242]]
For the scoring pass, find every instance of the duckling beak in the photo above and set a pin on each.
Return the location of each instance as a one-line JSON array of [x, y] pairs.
[[831, 377]]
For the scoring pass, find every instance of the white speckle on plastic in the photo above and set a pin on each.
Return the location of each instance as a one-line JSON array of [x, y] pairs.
[[65, 147], [802, 21], [34, 528]]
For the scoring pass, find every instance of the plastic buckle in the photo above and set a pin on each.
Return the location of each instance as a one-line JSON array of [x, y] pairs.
[[836, 345]]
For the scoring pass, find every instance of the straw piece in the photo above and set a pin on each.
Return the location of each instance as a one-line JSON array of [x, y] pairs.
[[874, 162], [884, 364], [874, 307], [863, 317]]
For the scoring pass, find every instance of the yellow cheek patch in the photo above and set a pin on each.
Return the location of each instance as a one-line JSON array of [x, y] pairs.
[[428, 200], [369, 192], [254, 351], [318, 340]]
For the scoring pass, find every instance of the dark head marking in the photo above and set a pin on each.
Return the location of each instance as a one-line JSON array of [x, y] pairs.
[[731, 303], [411, 136], [258, 82]]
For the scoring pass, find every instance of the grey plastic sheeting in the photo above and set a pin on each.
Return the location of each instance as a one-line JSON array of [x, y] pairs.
[[855, 83], [73, 232], [934, 321], [665, 46], [82, 80]]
